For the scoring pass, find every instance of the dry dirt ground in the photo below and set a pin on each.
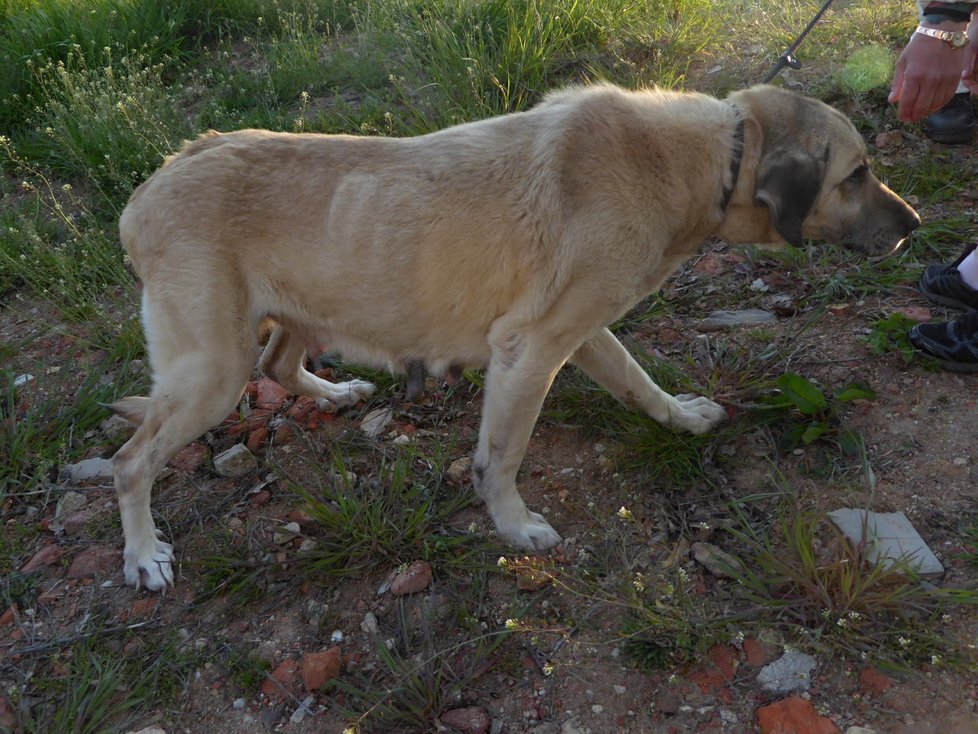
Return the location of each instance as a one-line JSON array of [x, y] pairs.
[[570, 672]]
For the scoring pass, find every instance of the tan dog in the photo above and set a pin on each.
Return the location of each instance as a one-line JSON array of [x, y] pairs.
[[509, 244]]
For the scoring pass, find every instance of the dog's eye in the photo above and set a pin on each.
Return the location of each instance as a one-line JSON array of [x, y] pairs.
[[858, 175]]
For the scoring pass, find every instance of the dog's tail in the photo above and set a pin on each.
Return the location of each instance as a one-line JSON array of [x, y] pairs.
[[132, 409]]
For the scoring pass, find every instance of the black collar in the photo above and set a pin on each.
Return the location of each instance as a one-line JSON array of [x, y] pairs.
[[735, 163]]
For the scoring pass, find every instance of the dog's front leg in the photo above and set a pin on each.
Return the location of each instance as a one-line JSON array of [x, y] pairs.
[[609, 364], [515, 389]]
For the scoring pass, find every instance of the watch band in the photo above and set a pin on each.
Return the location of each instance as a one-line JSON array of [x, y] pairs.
[[957, 39]]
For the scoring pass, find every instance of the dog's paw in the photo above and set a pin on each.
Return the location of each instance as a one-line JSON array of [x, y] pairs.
[[696, 414], [151, 566], [531, 532], [345, 394]]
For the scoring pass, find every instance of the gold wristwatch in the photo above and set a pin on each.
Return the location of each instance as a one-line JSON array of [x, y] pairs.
[[955, 39]]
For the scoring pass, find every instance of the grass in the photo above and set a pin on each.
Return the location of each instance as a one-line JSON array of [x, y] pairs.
[[95, 93], [399, 514], [420, 674], [42, 424], [806, 573], [98, 691]]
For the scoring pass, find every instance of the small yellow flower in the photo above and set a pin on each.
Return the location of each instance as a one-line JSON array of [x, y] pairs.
[[512, 624], [625, 514]]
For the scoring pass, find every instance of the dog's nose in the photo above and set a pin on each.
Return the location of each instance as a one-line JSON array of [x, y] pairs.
[[912, 220]]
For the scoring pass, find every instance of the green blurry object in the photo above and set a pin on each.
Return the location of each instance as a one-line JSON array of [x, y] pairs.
[[867, 68]]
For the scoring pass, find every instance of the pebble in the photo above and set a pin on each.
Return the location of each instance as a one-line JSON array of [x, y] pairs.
[[190, 458], [791, 672], [70, 502], [239, 704], [320, 667], [716, 561], [336, 637], [719, 320], [235, 462], [88, 470], [287, 533], [307, 547], [304, 708], [271, 395], [94, 560], [468, 720], [459, 470], [374, 422], [22, 380], [116, 428], [620, 690], [369, 624], [414, 578]]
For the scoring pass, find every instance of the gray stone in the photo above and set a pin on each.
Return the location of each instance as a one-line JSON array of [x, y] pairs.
[[89, 470], [889, 537], [374, 422], [235, 462], [574, 726], [791, 672], [70, 502], [369, 624], [860, 730], [716, 561], [116, 428], [287, 533], [305, 709], [719, 320]]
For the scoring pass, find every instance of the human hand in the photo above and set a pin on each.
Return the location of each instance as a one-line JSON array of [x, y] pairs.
[[927, 75]]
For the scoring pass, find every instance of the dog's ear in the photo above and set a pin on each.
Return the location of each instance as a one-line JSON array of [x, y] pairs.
[[788, 185]]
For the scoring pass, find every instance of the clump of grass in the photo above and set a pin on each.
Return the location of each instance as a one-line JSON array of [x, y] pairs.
[[52, 248], [246, 669], [420, 673], [399, 515], [806, 573], [41, 422], [101, 690], [34, 33], [641, 442], [112, 121], [667, 622]]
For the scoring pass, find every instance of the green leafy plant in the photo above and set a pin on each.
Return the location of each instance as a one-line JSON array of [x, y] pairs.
[[813, 414], [889, 336]]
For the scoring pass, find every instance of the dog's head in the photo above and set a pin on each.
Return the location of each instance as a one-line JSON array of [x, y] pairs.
[[811, 178]]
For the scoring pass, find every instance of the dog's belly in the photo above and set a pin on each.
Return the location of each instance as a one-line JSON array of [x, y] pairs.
[[440, 353]]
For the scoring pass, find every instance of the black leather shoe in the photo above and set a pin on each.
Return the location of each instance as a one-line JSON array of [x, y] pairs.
[[954, 123]]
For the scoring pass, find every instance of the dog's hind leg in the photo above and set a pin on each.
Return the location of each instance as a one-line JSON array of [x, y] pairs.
[[609, 364], [284, 361], [199, 376]]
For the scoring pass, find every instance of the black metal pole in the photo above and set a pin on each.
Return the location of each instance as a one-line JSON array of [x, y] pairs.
[[788, 57]]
